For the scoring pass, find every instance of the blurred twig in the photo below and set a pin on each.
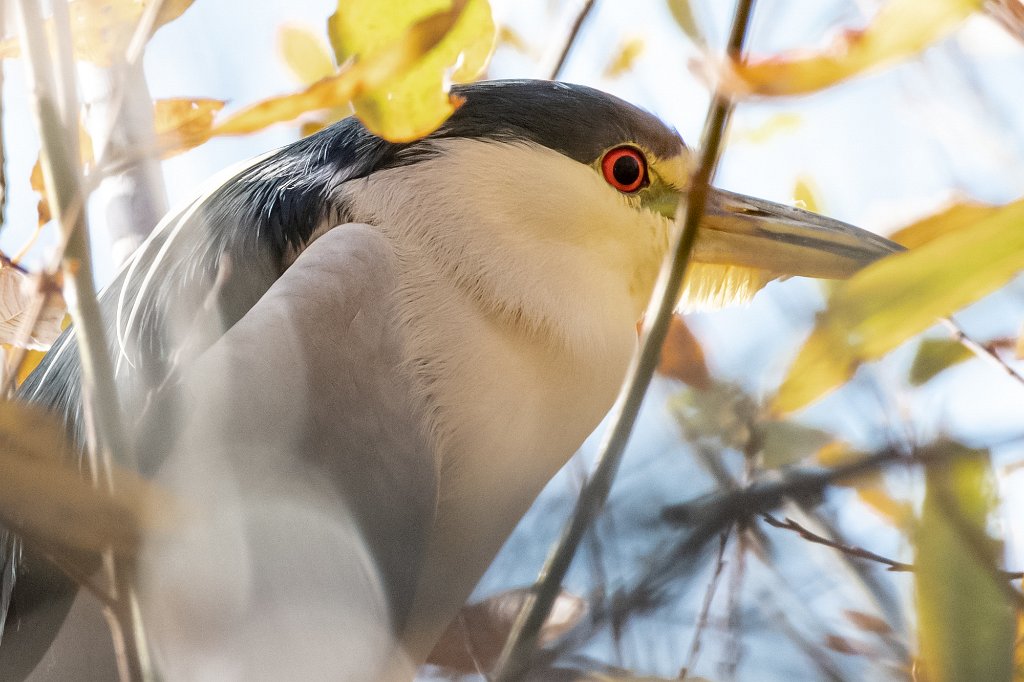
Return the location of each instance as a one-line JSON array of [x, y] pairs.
[[705, 608], [570, 39], [105, 436], [981, 350], [515, 659]]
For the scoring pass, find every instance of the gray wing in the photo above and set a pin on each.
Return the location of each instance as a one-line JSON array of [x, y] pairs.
[[306, 435], [308, 479]]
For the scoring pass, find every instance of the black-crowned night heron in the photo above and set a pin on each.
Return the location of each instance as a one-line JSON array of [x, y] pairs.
[[393, 347]]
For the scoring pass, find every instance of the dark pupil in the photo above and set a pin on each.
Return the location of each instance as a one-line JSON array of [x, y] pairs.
[[626, 170]]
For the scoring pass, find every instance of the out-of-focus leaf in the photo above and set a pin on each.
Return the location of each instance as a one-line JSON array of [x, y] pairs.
[[784, 442], [475, 638], [759, 134], [683, 14], [38, 182], [722, 414], [682, 356], [625, 57], [507, 36], [804, 195], [408, 51], [1009, 13], [955, 217], [305, 53], [901, 29], [323, 94], [401, 52], [101, 29], [48, 501], [966, 625], [874, 495], [183, 123], [845, 645], [869, 623], [935, 355], [837, 453], [890, 301], [17, 295], [28, 364]]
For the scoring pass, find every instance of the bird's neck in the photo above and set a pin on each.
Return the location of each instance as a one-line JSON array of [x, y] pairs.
[[511, 399]]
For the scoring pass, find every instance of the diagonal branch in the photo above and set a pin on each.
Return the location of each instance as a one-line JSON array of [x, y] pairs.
[[515, 658]]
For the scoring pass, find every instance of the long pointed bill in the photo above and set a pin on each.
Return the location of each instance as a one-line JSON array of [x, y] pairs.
[[738, 230]]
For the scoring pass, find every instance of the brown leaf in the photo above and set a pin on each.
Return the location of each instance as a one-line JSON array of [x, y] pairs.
[[682, 356], [474, 640], [48, 501], [869, 623]]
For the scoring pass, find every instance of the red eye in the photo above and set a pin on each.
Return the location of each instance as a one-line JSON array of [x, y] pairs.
[[625, 169]]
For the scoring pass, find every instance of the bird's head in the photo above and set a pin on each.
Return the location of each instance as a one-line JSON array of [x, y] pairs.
[[537, 195]]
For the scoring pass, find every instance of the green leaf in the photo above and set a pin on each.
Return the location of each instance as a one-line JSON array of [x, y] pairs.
[[966, 626], [934, 356], [785, 442], [890, 301], [415, 47]]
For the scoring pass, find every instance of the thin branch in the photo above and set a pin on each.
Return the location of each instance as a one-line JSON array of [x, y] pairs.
[[849, 550], [104, 431], [515, 658], [705, 608], [570, 39], [981, 350]]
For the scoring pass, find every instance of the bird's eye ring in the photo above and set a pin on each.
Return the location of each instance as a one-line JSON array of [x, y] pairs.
[[625, 169]]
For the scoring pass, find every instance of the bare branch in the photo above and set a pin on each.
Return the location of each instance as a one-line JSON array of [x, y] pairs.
[[570, 39]]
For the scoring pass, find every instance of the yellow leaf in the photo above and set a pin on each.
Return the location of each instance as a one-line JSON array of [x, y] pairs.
[[902, 28], [804, 195], [875, 496], [892, 300], [775, 125], [683, 14], [101, 29], [31, 360], [305, 53], [625, 57], [507, 36], [410, 50], [966, 623], [323, 94], [952, 218], [183, 123]]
